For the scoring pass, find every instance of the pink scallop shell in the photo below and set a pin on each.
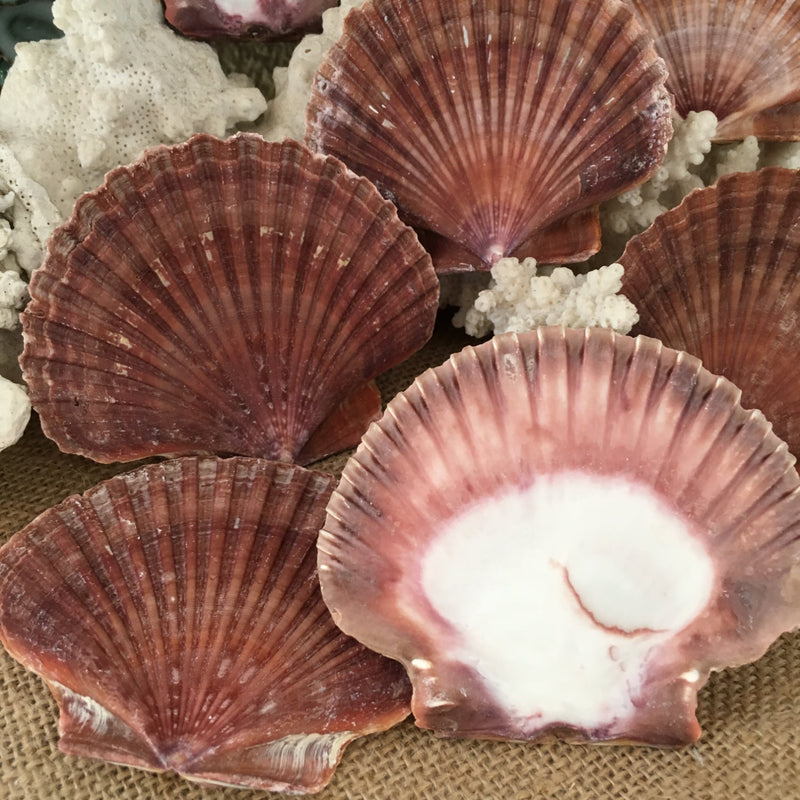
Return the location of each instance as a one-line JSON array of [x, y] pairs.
[[175, 614], [736, 58], [496, 127], [513, 412], [233, 296]]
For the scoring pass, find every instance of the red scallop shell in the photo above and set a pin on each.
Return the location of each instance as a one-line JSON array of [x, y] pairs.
[[175, 614], [506, 417], [228, 296], [496, 127], [718, 276], [736, 58]]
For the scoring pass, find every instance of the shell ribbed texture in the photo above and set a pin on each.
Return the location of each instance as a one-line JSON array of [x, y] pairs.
[[495, 417], [718, 276], [486, 122], [222, 296], [182, 600], [734, 58]]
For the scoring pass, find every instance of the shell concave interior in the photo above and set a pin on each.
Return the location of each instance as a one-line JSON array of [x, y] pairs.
[[736, 58], [249, 21], [563, 532], [498, 127], [228, 296], [719, 276], [175, 614]]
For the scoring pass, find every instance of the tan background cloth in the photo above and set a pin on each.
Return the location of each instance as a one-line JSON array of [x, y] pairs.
[[750, 715]]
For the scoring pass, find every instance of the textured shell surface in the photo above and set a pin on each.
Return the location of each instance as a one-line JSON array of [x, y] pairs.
[[228, 296], [175, 614], [718, 277], [246, 19], [563, 532], [736, 58], [778, 124], [496, 128]]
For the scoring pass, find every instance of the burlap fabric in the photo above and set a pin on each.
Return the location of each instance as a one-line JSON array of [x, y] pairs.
[[750, 715]]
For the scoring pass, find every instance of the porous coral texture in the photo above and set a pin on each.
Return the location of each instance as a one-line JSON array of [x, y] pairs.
[[13, 293], [118, 82], [519, 299]]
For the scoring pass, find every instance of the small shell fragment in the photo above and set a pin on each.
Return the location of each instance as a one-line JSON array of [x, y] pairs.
[[235, 296], [563, 532], [246, 19], [175, 614]]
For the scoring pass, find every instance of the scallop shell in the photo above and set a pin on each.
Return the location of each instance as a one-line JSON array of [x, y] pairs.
[[736, 58], [175, 614], [233, 296], [718, 276], [564, 532], [498, 127]]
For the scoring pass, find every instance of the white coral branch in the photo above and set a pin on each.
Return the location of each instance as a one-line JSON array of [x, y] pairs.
[[519, 299]]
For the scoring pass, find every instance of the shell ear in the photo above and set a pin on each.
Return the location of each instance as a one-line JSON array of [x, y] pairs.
[[495, 129], [226, 296]]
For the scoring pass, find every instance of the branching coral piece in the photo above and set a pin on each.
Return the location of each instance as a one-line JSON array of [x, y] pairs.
[[518, 299]]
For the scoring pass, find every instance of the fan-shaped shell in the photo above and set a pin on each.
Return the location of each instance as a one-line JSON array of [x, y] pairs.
[[565, 531], [719, 276], [498, 127], [175, 613], [233, 296], [736, 58]]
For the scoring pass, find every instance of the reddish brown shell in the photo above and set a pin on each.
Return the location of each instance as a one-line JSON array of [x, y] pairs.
[[778, 124], [175, 614], [498, 127], [228, 296], [568, 408], [736, 58], [719, 276]]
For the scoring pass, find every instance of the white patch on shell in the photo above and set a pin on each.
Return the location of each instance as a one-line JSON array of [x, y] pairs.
[[292, 752], [248, 10], [561, 591], [85, 711]]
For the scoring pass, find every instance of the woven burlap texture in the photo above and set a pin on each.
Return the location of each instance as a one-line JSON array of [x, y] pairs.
[[749, 749]]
